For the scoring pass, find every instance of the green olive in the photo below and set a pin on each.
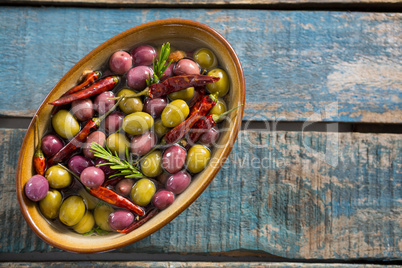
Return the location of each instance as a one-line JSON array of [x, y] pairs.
[[175, 113], [219, 108], [151, 165], [49, 206], [197, 158], [185, 94], [65, 124], [58, 177], [137, 123], [85, 224], [222, 86], [117, 143], [129, 105], [143, 191], [159, 129], [90, 200], [101, 214], [72, 210], [205, 58]]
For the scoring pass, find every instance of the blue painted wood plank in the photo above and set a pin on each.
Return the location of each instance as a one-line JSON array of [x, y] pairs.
[[316, 66], [291, 194]]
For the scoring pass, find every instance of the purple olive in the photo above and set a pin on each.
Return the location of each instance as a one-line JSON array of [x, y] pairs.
[[162, 199], [210, 137], [51, 144], [143, 55], [142, 144], [97, 136], [173, 158], [168, 72], [114, 121], [154, 106], [120, 219], [82, 109], [92, 177], [102, 103], [78, 163], [137, 77], [186, 66], [36, 188], [178, 182], [124, 186], [106, 168], [120, 62]]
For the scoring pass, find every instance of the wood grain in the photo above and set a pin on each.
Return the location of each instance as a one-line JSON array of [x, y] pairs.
[[323, 196], [299, 66]]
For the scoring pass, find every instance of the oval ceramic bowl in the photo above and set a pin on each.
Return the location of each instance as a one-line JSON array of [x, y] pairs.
[[177, 32]]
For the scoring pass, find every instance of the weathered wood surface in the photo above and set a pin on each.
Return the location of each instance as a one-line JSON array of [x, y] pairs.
[[317, 66], [192, 265], [297, 195], [206, 3]]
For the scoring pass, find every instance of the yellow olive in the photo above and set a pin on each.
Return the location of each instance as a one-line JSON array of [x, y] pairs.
[[197, 158], [117, 143], [58, 177], [49, 206], [205, 58], [72, 210], [85, 224], [137, 123], [90, 200], [65, 124], [159, 129], [184, 94], [129, 105], [101, 214], [142, 192], [151, 165], [219, 108], [175, 113], [222, 86]]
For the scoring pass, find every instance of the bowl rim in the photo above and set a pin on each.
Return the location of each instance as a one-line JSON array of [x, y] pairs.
[[205, 182]]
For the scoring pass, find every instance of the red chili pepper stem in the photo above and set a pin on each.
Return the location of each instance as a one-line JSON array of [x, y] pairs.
[[39, 160], [216, 117], [98, 120]]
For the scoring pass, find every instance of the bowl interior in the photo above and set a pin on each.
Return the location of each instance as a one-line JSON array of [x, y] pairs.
[[181, 34]]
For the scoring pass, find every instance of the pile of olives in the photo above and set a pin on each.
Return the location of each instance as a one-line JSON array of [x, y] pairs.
[[139, 124]]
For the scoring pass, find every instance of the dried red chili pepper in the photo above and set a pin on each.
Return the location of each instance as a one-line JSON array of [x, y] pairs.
[[39, 161], [199, 110], [80, 138], [114, 198], [205, 124], [200, 92], [89, 79], [176, 83], [139, 222], [102, 85]]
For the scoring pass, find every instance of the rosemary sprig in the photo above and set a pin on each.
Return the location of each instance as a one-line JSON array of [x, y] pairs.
[[159, 65], [125, 168]]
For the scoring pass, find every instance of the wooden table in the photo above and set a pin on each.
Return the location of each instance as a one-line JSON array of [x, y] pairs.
[[315, 176]]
